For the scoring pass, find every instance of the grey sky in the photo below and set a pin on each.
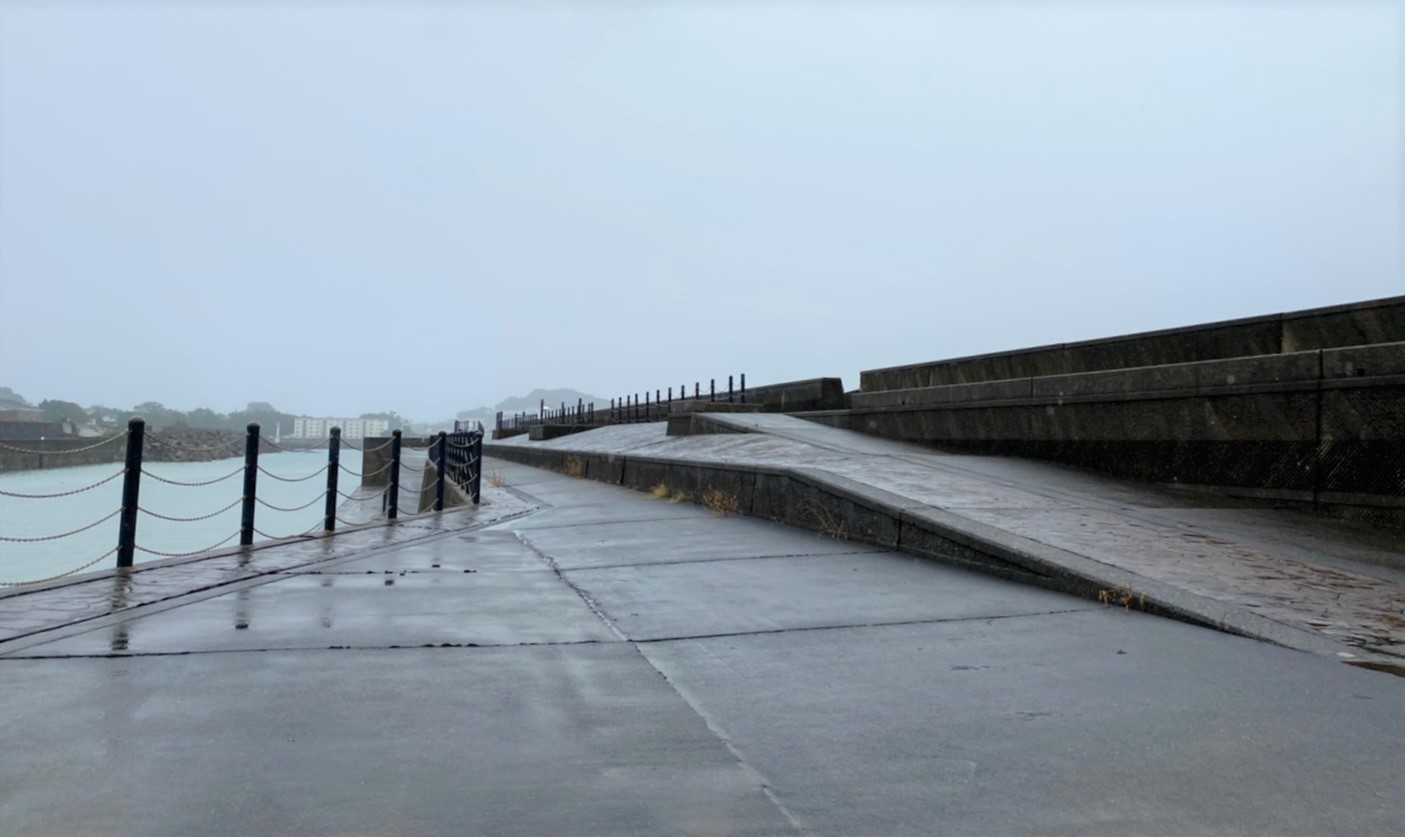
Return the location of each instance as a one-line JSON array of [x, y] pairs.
[[349, 208]]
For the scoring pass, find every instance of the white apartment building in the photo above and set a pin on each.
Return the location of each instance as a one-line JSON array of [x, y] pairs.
[[307, 427]]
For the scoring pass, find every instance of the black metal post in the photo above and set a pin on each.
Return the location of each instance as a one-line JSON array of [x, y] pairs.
[[743, 387], [394, 509], [697, 390], [329, 516], [730, 398], [475, 481], [712, 389], [251, 484], [648, 411], [131, 493], [441, 465]]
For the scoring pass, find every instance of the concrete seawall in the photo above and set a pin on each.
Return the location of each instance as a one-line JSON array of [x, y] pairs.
[[1305, 408], [1375, 321], [161, 446]]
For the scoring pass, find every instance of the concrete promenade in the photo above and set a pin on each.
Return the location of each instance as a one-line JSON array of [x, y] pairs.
[[578, 658]]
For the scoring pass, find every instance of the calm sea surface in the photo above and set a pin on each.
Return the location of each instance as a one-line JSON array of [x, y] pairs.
[[25, 518]]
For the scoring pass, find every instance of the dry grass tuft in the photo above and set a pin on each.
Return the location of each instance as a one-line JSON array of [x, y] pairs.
[[661, 492], [496, 479], [721, 503], [678, 497], [1124, 596], [827, 521]]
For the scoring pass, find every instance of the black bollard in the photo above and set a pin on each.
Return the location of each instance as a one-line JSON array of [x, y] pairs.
[[251, 484], [440, 466], [475, 479], [393, 510], [131, 493], [329, 516]]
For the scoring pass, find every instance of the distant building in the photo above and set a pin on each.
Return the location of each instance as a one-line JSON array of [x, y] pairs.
[[307, 427], [12, 410]]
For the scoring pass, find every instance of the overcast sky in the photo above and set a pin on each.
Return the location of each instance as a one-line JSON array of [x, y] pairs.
[[345, 208]]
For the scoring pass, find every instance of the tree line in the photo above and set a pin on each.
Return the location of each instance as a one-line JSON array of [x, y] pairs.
[[160, 417]]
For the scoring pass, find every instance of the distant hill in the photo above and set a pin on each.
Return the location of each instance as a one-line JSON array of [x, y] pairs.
[[553, 398], [530, 402]]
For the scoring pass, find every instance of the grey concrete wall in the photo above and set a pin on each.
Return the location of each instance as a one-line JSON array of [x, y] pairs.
[[31, 430], [1325, 426], [797, 396], [1375, 321]]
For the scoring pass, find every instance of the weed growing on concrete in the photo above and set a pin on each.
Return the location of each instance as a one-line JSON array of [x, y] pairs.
[[661, 491], [721, 503], [678, 497], [574, 467], [827, 522], [496, 479], [1124, 596]]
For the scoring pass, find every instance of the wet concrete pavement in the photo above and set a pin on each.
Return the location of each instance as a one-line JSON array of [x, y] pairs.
[[612, 663]]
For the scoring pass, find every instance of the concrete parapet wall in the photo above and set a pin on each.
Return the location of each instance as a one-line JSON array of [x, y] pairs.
[[1350, 367], [542, 432], [799, 396], [1376, 321], [1325, 426]]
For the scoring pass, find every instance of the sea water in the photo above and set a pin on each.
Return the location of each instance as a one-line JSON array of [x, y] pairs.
[[42, 518]]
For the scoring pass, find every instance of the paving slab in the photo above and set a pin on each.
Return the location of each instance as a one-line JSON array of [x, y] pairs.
[[1101, 722], [652, 601], [561, 740], [332, 610], [687, 537]]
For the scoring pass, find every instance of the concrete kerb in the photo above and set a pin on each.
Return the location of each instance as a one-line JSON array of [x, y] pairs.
[[839, 507]]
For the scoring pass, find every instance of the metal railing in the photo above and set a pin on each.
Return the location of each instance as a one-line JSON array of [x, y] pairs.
[[626, 409], [457, 457]]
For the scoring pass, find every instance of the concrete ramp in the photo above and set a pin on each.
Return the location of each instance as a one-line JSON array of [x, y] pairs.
[[1327, 586]]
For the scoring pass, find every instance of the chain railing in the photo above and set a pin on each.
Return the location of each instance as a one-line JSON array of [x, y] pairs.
[[456, 458], [626, 409]]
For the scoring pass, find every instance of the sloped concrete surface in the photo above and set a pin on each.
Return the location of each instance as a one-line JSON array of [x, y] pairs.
[[1330, 586]]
